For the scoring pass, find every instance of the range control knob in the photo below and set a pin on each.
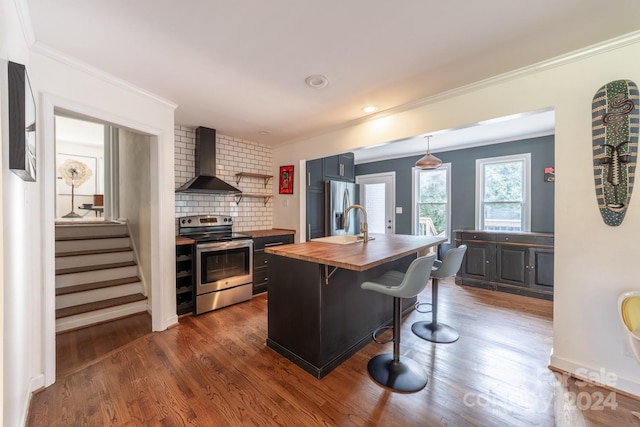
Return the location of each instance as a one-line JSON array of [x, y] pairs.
[[189, 221], [184, 221]]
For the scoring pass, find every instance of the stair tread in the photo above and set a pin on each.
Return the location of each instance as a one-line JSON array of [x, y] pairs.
[[94, 252], [83, 269], [96, 285], [98, 305], [92, 237]]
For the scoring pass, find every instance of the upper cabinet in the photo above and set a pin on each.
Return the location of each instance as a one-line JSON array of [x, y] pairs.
[[315, 199], [340, 167]]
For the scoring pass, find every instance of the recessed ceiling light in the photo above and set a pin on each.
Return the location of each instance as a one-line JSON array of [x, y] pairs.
[[317, 81], [264, 132], [369, 109]]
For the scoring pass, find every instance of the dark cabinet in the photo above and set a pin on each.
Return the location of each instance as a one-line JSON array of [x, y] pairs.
[[315, 199], [541, 268], [260, 277], [519, 263], [185, 278], [340, 167], [478, 262]]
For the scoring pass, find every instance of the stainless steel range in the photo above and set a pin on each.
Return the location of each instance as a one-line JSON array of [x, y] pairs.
[[224, 261]]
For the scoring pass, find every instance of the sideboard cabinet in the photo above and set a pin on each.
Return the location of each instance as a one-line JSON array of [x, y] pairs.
[[520, 263]]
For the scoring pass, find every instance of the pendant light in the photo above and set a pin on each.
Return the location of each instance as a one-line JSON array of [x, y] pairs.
[[428, 161]]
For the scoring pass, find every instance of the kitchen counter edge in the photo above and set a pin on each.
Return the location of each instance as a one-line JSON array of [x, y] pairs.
[[357, 257], [268, 232]]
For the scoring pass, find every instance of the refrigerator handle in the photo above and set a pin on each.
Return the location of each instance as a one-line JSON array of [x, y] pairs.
[[346, 202]]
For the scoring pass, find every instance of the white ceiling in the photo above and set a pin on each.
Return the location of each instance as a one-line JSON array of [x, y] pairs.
[[240, 67]]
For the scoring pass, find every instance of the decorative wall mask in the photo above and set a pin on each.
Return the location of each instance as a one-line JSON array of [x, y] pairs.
[[615, 147]]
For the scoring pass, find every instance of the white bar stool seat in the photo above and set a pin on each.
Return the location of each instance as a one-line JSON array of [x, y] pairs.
[[391, 370]]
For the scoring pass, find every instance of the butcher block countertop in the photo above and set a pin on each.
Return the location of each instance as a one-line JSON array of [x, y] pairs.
[[358, 256], [184, 241], [268, 233]]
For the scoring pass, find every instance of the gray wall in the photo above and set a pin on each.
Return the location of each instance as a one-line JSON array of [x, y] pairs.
[[463, 175]]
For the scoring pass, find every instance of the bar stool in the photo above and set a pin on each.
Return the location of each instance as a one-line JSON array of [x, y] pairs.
[[434, 331], [391, 370]]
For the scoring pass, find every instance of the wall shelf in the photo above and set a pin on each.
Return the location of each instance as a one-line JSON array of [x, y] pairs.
[[266, 197], [266, 178]]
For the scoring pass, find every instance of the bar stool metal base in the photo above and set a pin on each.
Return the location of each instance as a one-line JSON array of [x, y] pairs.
[[403, 375], [438, 333]]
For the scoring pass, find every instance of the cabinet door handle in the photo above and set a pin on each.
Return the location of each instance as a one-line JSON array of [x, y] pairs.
[[341, 169], [308, 179]]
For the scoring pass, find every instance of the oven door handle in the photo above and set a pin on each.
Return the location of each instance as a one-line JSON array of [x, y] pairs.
[[226, 245]]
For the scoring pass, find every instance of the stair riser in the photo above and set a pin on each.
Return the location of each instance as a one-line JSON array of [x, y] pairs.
[[86, 319], [94, 295], [91, 244], [95, 276], [93, 259], [83, 231]]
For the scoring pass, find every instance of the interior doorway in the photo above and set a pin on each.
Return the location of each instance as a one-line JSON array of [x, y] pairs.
[[102, 237]]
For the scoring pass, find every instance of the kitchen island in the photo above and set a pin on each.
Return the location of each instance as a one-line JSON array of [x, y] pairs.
[[318, 314]]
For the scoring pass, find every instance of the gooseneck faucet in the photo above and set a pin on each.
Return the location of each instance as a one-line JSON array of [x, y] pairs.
[[363, 225]]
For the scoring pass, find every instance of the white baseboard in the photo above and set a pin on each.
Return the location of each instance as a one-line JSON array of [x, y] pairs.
[[621, 384], [36, 383]]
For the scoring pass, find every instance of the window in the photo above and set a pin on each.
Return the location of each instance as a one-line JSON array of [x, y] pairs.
[[503, 192], [432, 207]]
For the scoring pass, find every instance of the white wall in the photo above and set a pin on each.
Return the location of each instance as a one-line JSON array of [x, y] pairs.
[[135, 184], [594, 263], [20, 293], [29, 208]]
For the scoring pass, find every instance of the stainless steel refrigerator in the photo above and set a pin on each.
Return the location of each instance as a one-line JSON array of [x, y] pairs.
[[338, 196]]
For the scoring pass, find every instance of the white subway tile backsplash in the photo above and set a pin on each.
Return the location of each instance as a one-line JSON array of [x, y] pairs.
[[234, 155]]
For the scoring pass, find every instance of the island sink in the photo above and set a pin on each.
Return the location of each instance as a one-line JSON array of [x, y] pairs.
[[341, 239]]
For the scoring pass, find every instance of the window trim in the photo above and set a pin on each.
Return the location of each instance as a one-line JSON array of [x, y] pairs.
[[526, 211], [414, 200]]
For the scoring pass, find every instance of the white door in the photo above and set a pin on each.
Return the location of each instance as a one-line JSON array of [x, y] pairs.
[[377, 195]]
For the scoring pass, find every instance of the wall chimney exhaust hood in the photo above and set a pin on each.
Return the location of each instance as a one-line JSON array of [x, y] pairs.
[[205, 180]]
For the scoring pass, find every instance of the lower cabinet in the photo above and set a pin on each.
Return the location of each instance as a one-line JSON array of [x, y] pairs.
[[260, 278], [520, 263], [185, 278]]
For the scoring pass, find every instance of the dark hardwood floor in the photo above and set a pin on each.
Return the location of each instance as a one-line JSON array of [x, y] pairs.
[[215, 370]]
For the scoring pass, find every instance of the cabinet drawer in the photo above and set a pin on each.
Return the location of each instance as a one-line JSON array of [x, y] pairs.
[[471, 236], [259, 259], [259, 276], [525, 239], [265, 242]]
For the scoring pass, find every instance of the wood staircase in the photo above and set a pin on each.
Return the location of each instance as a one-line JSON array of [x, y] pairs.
[[97, 276]]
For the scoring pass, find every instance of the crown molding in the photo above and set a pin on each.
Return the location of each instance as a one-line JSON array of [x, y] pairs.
[[49, 52], [596, 49], [25, 21], [35, 46]]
